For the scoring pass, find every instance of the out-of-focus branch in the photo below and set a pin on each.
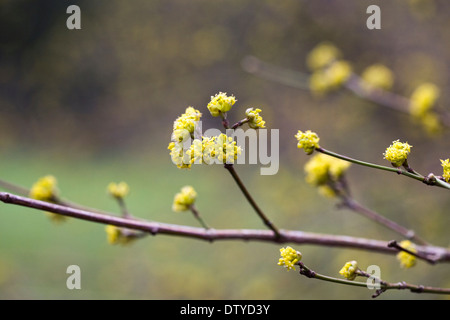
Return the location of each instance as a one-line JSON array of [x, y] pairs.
[[300, 80], [439, 254]]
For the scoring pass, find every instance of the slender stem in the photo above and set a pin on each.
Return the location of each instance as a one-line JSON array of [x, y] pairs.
[[198, 217], [355, 206], [250, 199], [415, 176], [394, 244], [304, 270], [123, 207], [240, 123], [225, 122], [14, 188], [403, 286]]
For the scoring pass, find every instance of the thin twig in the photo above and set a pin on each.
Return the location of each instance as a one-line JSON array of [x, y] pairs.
[[384, 286], [198, 217], [375, 216], [250, 199], [427, 180], [394, 244]]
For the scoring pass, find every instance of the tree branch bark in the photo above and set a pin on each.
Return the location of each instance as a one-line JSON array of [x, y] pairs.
[[440, 254]]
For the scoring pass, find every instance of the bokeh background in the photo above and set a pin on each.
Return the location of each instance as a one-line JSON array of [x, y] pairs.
[[96, 105]]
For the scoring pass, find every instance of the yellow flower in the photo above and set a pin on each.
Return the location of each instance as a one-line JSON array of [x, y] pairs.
[[45, 189], [322, 168], [118, 190], [187, 121], [322, 55], [289, 257], [397, 153], [446, 168], [431, 122], [57, 218], [407, 260], [338, 73], [255, 121], [115, 235], [220, 103], [226, 148], [378, 76], [318, 82], [330, 78], [181, 158], [423, 99], [307, 141], [348, 271], [184, 199]]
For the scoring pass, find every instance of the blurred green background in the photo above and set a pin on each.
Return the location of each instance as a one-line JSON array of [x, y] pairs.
[[96, 105]]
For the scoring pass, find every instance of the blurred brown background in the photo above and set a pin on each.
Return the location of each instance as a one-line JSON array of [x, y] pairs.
[[97, 105]]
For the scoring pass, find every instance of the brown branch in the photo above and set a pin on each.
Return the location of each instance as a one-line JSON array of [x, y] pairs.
[[287, 236]]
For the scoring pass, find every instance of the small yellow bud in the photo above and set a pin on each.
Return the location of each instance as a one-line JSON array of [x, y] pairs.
[[330, 78], [57, 218], [446, 168], [255, 121], [184, 199], [423, 99], [378, 76], [45, 189], [322, 55], [397, 153], [289, 257], [118, 190], [188, 120], [322, 169], [307, 141], [348, 271], [407, 260], [220, 104], [115, 235], [338, 73]]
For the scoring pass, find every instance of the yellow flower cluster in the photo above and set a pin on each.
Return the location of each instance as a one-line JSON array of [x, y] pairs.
[[45, 189], [322, 55], [220, 104], [329, 71], [421, 105], [397, 153], [322, 168], [184, 199], [446, 168], [118, 190], [423, 99], [330, 78], [307, 141], [406, 260], [289, 257], [348, 271], [378, 76], [185, 125], [255, 121], [115, 235], [217, 149]]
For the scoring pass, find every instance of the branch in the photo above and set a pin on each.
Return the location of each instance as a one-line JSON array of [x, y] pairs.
[[440, 254], [429, 180], [305, 271], [300, 80]]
